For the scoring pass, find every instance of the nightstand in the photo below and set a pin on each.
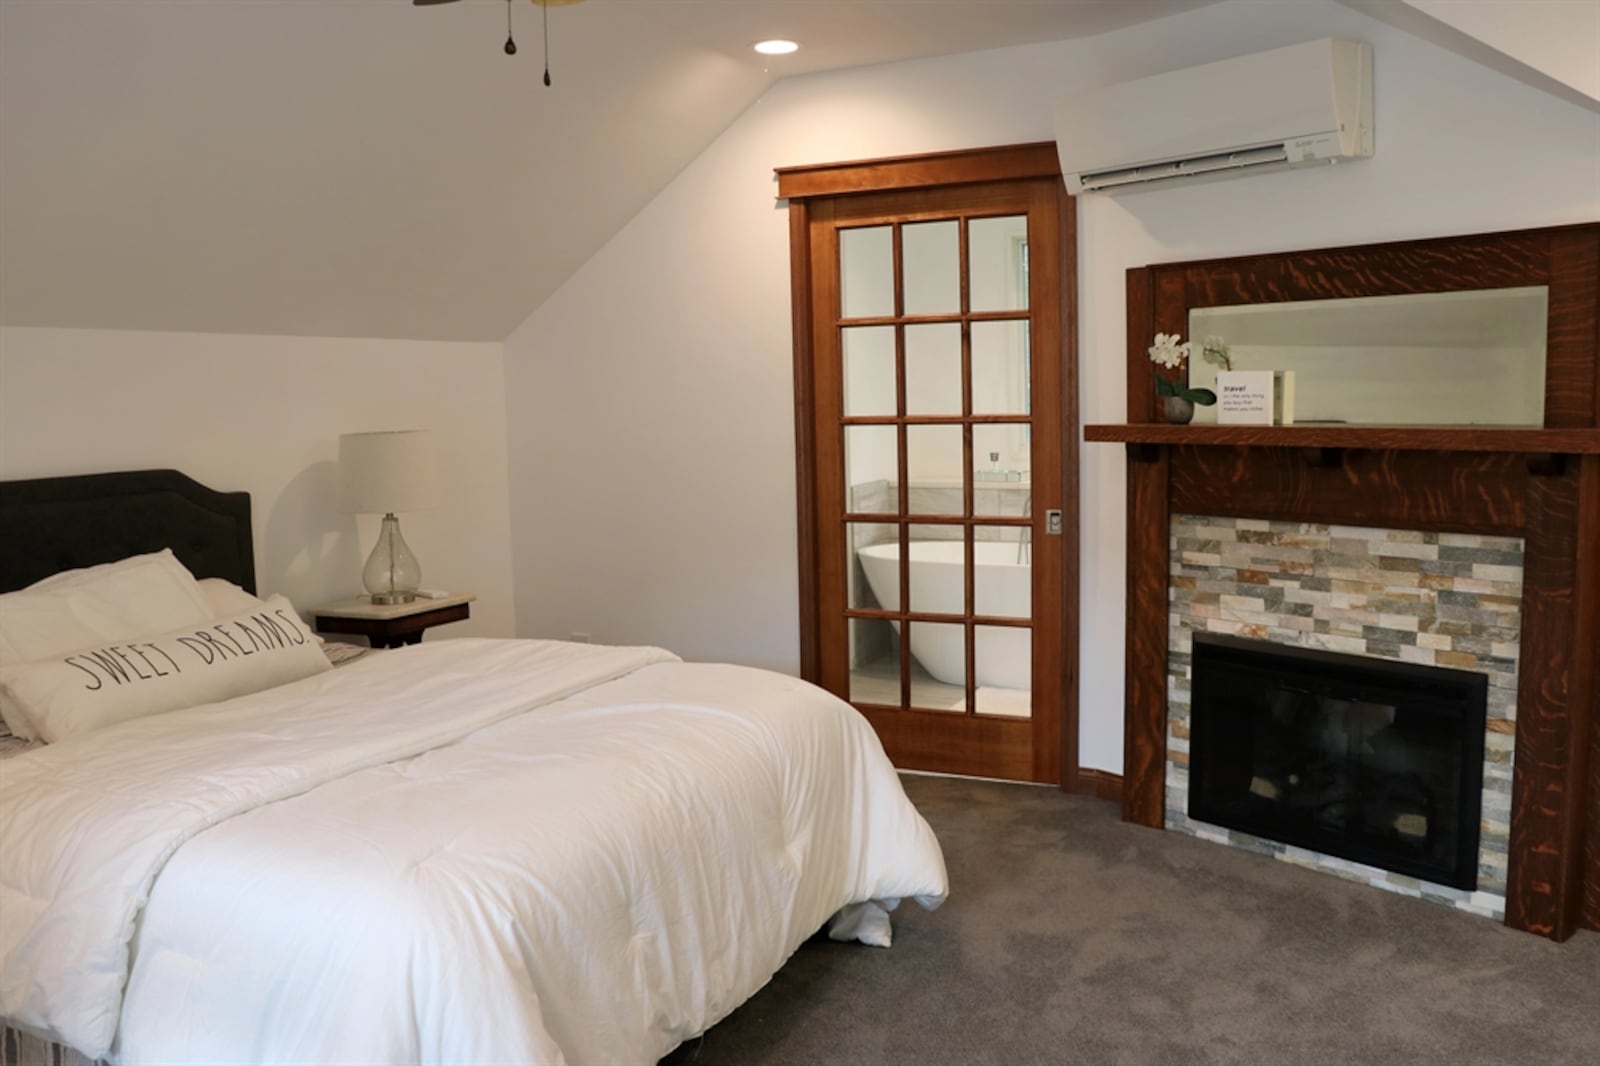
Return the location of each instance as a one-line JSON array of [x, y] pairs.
[[389, 625]]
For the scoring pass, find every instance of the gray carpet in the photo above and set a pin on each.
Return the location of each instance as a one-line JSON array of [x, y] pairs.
[[1070, 937]]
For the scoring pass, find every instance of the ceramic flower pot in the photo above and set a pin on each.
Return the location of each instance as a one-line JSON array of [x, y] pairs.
[[1177, 410]]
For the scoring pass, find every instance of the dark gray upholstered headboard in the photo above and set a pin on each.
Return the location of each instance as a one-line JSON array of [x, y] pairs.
[[52, 524]]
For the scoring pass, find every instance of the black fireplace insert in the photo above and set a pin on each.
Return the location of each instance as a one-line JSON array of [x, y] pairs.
[[1366, 759]]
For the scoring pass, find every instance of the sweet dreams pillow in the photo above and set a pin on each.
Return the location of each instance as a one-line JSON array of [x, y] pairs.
[[125, 600], [108, 683]]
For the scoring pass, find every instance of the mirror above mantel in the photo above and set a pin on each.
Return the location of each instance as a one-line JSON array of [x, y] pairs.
[[1469, 357], [1476, 330]]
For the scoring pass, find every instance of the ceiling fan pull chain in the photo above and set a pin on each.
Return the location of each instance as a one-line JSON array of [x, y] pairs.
[[546, 9], [511, 43]]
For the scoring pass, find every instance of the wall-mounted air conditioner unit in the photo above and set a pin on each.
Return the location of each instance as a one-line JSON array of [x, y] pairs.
[[1297, 106]]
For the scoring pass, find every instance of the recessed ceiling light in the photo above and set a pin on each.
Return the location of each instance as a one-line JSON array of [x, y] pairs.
[[776, 48]]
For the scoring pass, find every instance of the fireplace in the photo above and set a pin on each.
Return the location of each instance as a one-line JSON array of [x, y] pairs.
[[1373, 598], [1530, 626], [1377, 762]]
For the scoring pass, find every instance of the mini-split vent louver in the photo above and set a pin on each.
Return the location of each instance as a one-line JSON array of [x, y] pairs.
[[1298, 106]]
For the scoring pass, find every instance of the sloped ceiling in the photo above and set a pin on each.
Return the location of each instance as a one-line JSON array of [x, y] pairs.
[[367, 168], [1553, 45]]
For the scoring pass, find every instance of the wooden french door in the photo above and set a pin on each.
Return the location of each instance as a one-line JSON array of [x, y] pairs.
[[938, 487]]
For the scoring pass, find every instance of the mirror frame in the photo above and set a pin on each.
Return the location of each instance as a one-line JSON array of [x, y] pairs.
[[1566, 259]]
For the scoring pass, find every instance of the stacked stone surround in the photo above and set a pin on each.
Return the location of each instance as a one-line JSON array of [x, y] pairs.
[[1437, 599]]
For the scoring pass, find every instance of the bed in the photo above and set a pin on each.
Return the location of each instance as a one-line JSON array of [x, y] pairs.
[[467, 850]]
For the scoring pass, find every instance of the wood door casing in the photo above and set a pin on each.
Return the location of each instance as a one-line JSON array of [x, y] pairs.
[[1026, 181]]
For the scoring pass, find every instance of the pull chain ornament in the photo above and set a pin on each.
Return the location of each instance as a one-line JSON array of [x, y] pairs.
[[546, 9], [511, 44]]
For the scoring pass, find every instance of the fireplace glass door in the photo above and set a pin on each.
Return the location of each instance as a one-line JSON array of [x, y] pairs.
[[1366, 759]]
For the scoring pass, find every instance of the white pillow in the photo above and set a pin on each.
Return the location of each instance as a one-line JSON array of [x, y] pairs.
[[227, 599], [126, 600], [109, 683]]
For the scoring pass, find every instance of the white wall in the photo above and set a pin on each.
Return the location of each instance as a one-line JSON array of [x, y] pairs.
[[651, 420], [264, 414]]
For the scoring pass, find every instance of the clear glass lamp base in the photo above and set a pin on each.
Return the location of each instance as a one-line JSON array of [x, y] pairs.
[[392, 573]]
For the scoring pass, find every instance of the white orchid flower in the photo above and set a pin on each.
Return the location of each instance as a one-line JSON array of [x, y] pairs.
[[1167, 351]]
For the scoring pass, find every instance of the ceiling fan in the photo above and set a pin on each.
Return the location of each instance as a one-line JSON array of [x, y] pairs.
[[511, 44]]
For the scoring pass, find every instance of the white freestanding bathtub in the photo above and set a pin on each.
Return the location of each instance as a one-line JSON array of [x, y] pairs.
[[1002, 587]]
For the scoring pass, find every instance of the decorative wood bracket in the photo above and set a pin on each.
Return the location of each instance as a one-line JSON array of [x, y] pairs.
[[1547, 464], [1143, 451], [1326, 458]]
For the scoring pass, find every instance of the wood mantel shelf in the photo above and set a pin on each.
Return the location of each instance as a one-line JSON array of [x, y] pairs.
[[1502, 439]]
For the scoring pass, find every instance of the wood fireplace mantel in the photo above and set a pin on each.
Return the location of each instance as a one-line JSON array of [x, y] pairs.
[[1539, 483], [1533, 440]]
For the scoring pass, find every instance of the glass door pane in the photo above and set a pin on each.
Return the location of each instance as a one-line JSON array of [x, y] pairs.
[[938, 570], [866, 272], [869, 380], [1002, 572], [998, 263], [1000, 368], [872, 469], [1002, 478], [933, 369], [934, 468], [931, 252], [872, 568], [875, 662], [1004, 657], [938, 666]]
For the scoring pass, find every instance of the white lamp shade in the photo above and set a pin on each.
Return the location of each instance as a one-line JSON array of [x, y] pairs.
[[396, 470]]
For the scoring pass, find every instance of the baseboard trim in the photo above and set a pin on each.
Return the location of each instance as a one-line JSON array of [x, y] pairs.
[[1101, 784], [968, 777]]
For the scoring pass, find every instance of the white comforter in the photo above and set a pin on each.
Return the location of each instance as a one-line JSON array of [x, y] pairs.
[[466, 851]]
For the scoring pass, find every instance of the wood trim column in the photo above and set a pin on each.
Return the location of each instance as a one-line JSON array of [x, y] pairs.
[[804, 435], [1141, 319], [1544, 885], [1572, 375], [1586, 679], [1144, 727], [1071, 776], [1144, 722]]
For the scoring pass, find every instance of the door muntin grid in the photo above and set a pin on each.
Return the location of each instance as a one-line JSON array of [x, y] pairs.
[[938, 527]]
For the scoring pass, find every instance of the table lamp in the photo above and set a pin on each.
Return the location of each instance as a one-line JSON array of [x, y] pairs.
[[382, 473]]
